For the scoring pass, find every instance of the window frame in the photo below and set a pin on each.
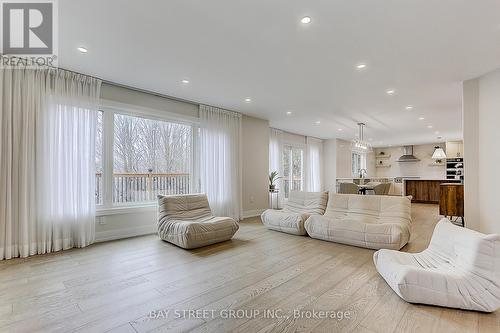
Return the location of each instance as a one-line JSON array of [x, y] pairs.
[[292, 146], [109, 109], [362, 163]]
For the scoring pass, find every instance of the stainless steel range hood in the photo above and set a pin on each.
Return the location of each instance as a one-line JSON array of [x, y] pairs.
[[408, 155]]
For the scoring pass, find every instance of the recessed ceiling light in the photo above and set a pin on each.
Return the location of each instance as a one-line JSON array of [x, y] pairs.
[[390, 92], [340, 129], [185, 81], [288, 113], [429, 126], [361, 66], [248, 100], [317, 122], [421, 118], [409, 107], [82, 49], [305, 20]]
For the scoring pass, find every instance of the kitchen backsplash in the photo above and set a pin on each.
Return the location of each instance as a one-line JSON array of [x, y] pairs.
[[387, 166]]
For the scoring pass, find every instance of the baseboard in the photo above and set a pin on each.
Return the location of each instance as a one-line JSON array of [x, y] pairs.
[[252, 213], [108, 235]]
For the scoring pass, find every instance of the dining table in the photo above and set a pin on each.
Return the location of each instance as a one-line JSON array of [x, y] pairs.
[[366, 187]]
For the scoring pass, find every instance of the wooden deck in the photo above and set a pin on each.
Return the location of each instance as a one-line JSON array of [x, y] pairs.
[[128, 286]]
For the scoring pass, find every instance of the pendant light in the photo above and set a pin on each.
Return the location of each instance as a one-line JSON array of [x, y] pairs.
[[359, 145], [439, 154]]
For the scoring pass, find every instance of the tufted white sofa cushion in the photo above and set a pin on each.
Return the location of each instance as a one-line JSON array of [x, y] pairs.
[[299, 207], [459, 269], [370, 221]]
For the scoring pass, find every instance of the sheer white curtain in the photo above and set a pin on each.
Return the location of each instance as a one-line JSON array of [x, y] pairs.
[[47, 169], [276, 159], [66, 169], [313, 165], [220, 160]]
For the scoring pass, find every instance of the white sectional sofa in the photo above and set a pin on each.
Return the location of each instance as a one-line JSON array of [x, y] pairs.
[[459, 269], [370, 221], [299, 207]]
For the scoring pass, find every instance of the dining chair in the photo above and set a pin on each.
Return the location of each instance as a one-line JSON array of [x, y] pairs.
[[382, 189], [348, 188]]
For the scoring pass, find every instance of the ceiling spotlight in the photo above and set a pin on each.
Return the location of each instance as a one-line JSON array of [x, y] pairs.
[[288, 113], [82, 49], [317, 122], [361, 66], [409, 107], [340, 129], [429, 126], [421, 118], [248, 100], [390, 92], [305, 20], [185, 81]]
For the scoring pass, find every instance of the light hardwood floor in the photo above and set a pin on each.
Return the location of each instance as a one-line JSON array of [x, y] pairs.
[[120, 286]]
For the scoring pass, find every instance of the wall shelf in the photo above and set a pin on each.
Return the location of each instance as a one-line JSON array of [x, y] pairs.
[[382, 156], [383, 166], [437, 164]]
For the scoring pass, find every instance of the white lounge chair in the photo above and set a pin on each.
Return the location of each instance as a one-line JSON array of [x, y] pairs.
[[459, 269], [187, 221]]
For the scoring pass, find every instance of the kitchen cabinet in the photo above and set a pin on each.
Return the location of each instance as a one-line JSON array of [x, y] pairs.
[[424, 191], [454, 149], [451, 202]]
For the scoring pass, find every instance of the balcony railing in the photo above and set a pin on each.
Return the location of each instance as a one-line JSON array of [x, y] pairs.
[[140, 187]]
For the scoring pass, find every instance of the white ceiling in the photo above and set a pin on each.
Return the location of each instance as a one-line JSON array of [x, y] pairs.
[[234, 49]]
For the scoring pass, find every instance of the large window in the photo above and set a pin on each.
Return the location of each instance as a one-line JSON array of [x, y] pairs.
[[99, 164], [293, 169], [146, 157], [358, 163]]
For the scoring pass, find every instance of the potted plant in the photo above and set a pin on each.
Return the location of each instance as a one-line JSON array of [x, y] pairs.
[[273, 176]]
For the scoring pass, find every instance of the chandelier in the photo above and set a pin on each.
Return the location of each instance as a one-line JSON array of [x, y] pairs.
[[359, 145]]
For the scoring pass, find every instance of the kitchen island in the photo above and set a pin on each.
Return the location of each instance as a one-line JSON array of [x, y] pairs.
[[425, 190]]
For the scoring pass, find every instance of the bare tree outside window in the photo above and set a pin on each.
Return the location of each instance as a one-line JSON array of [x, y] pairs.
[[293, 169], [149, 157]]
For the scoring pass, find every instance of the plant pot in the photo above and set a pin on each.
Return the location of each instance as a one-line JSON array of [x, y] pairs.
[[272, 187]]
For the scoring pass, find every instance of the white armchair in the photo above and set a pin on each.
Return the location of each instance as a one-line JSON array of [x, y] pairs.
[[459, 269], [187, 221]]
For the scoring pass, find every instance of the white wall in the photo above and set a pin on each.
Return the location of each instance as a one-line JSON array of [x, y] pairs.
[[422, 169], [481, 138], [255, 154], [330, 164], [255, 159], [471, 153], [343, 159]]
